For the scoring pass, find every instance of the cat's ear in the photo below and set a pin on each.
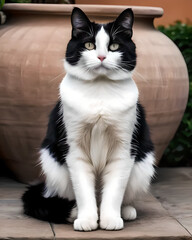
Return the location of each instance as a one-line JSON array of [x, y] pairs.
[[80, 22], [125, 20]]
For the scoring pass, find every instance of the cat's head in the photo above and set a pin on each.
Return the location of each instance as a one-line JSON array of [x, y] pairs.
[[101, 49]]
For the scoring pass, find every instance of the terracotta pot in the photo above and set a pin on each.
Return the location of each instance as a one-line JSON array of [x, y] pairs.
[[170, 15], [33, 43]]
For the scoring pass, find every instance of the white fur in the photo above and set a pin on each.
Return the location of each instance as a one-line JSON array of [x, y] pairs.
[[140, 178], [108, 107], [73, 215], [102, 41], [99, 116], [129, 213], [100, 104], [99, 141], [57, 177]]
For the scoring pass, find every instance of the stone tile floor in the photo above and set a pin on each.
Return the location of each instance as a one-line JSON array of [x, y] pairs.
[[173, 189], [167, 214]]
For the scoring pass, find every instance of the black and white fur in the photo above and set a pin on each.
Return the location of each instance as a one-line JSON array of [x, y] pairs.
[[97, 156]]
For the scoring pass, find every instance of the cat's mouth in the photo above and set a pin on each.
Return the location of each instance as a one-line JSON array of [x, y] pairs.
[[101, 67], [101, 70]]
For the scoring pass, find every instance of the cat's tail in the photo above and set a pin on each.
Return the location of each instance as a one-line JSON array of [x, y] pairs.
[[52, 209]]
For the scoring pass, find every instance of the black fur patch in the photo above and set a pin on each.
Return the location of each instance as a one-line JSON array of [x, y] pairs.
[[141, 141], [77, 44], [52, 209], [56, 136], [120, 31], [126, 46]]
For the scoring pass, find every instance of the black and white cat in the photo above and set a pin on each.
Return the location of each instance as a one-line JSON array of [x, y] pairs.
[[97, 156]]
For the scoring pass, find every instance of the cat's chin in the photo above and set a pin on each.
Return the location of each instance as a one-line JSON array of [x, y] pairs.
[[120, 75]]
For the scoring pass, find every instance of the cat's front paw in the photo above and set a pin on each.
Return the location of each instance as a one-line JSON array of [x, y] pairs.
[[111, 223], [85, 224]]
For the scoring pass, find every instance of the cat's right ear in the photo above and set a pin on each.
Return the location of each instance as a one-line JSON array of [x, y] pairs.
[[80, 22]]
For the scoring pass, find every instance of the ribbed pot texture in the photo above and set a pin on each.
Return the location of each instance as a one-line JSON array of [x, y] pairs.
[[32, 49]]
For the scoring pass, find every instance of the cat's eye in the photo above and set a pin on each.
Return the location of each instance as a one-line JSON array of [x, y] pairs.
[[114, 46], [89, 45]]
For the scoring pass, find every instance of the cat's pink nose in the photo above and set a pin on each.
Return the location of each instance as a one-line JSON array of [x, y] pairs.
[[101, 58]]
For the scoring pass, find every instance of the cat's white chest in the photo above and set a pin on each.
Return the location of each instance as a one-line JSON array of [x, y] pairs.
[[92, 100], [95, 112], [99, 145]]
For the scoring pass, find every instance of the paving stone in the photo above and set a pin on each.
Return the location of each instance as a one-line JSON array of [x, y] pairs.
[[153, 222], [187, 223], [25, 229], [11, 193], [11, 209], [173, 189], [13, 223]]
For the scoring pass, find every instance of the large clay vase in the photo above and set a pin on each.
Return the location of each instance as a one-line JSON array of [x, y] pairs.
[[32, 47]]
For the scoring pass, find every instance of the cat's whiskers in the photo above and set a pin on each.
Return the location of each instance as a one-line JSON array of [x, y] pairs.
[[128, 65], [57, 76], [62, 139], [70, 57], [91, 64], [129, 61], [112, 65], [87, 69], [117, 67], [137, 74]]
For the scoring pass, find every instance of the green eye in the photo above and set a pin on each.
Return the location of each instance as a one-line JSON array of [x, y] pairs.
[[114, 46], [89, 45]]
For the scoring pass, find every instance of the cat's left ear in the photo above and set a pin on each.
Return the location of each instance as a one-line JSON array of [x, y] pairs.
[[80, 22], [125, 20]]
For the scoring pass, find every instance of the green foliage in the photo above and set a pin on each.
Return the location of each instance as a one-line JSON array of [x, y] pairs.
[[179, 151], [2, 2]]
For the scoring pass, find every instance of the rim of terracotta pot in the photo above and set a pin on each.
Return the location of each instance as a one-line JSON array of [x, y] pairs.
[[60, 9]]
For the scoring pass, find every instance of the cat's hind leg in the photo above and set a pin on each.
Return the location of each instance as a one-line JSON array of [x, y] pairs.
[[53, 200], [58, 182], [57, 178], [138, 184]]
